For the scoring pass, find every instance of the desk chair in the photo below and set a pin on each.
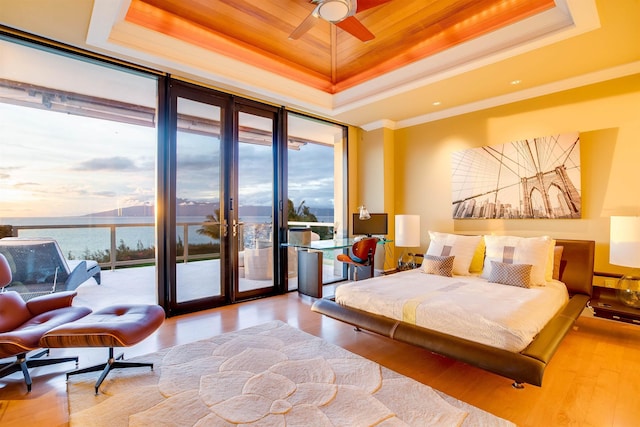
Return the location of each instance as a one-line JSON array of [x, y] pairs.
[[361, 255]]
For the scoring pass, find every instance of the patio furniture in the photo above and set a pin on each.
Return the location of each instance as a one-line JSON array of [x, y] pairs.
[[22, 324], [39, 267], [116, 326]]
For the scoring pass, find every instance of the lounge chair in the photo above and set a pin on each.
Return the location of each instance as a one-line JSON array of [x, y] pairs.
[[39, 267]]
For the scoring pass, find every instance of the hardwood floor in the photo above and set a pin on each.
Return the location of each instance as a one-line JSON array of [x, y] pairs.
[[594, 378]]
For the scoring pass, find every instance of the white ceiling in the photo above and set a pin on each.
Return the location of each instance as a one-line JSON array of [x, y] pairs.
[[579, 42]]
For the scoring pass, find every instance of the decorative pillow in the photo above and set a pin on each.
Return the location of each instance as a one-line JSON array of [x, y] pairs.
[[548, 271], [510, 274], [557, 258], [536, 251], [478, 259], [462, 247], [440, 265]]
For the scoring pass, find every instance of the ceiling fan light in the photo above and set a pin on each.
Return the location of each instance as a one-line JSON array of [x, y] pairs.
[[334, 10]]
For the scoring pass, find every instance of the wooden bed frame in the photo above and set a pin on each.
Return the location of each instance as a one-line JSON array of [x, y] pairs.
[[527, 366]]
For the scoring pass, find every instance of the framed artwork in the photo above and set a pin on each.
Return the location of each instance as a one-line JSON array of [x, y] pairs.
[[532, 178]]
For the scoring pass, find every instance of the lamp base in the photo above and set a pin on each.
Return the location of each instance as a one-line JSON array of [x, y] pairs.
[[406, 265], [629, 291]]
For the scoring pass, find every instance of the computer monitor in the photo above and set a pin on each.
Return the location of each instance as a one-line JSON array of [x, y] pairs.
[[377, 225]]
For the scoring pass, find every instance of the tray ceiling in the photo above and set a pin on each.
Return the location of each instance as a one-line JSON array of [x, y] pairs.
[[326, 57]]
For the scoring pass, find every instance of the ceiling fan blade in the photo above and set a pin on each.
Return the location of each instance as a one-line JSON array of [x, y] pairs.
[[304, 26], [354, 27], [363, 5]]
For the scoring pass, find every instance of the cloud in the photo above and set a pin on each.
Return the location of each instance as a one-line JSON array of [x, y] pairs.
[[27, 185], [117, 163], [105, 193], [197, 162]]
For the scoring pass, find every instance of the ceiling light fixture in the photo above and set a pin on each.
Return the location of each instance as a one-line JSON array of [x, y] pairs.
[[335, 10]]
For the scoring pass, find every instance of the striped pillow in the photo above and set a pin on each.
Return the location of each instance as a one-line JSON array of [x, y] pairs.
[[440, 265], [511, 274]]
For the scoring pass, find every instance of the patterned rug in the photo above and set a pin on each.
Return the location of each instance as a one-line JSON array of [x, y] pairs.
[[267, 375]]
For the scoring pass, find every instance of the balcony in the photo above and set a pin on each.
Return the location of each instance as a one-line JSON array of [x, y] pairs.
[[129, 275]]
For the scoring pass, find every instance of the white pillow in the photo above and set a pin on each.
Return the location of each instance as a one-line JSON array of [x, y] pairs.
[[537, 251], [462, 247]]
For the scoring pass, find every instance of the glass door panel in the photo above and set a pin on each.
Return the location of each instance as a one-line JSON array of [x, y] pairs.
[[254, 224], [316, 174], [198, 189]]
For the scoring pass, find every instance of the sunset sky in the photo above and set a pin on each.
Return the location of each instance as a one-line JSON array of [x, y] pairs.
[[54, 164]]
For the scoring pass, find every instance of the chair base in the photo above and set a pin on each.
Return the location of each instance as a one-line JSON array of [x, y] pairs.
[[22, 363], [112, 363]]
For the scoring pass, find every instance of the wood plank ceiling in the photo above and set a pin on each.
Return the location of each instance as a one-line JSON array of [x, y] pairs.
[[326, 57]]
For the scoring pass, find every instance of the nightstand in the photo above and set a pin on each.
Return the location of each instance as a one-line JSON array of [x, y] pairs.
[[605, 304]]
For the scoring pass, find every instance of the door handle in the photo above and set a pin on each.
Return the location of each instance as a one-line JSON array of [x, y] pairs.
[[235, 228], [224, 227]]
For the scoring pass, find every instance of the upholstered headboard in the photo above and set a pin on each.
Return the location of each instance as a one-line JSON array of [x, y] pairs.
[[576, 266]]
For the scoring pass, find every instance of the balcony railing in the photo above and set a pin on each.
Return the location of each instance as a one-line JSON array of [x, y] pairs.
[[248, 232]]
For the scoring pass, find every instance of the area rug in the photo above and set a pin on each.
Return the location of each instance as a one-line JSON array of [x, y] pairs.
[[267, 375]]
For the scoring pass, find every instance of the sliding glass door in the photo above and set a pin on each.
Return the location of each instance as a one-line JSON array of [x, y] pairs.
[[219, 211], [253, 216], [197, 201]]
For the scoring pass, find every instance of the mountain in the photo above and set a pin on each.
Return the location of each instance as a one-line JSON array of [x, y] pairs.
[[199, 210]]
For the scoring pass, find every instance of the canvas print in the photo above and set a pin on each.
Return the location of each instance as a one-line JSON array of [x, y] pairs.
[[532, 178]]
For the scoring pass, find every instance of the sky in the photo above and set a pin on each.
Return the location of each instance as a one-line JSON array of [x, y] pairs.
[[55, 164]]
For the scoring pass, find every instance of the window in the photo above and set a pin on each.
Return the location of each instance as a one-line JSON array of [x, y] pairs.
[[77, 162], [316, 183]]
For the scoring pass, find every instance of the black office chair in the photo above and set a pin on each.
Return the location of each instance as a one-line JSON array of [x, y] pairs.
[[362, 254]]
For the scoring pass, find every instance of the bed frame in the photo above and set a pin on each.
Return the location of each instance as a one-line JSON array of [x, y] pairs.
[[527, 366]]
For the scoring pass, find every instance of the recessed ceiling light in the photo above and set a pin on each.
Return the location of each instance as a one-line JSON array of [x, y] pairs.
[[515, 82], [436, 103]]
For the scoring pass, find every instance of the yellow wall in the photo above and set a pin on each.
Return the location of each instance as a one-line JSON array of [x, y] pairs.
[[607, 115], [376, 183]]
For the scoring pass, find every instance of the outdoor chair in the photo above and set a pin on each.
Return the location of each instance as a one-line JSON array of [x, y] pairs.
[[38, 267]]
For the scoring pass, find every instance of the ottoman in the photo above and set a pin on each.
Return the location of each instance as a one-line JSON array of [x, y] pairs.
[[116, 326]]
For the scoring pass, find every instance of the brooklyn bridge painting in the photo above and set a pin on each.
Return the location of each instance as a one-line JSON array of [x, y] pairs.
[[533, 178]]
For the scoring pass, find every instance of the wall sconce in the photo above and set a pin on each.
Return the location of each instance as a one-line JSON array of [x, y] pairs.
[[364, 213], [624, 250], [407, 235]]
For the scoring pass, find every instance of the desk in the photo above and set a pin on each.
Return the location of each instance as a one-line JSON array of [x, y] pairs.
[[310, 262]]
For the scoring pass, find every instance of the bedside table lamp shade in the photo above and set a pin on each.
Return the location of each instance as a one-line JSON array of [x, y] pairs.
[[407, 231], [407, 234], [625, 251]]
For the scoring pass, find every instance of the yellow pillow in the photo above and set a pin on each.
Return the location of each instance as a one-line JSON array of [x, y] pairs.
[[477, 262]]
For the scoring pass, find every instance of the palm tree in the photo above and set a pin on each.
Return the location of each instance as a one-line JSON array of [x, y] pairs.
[[302, 213], [211, 227]]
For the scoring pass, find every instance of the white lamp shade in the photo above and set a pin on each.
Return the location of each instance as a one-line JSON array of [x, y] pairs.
[[625, 241], [407, 231]]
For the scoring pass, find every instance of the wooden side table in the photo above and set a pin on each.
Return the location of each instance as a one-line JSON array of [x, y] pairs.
[[605, 304]]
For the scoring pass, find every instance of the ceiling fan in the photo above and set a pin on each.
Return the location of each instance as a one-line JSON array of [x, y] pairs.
[[341, 13]]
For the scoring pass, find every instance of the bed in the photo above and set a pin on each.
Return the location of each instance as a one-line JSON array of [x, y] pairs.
[[574, 269]]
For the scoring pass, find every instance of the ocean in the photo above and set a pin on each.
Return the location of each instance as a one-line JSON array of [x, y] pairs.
[[80, 236]]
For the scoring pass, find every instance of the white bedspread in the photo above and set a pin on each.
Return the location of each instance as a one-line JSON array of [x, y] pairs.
[[469, 307]]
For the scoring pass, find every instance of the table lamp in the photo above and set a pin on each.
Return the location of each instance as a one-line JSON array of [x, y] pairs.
[[407, 235], [364, 213], [625, 251]]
